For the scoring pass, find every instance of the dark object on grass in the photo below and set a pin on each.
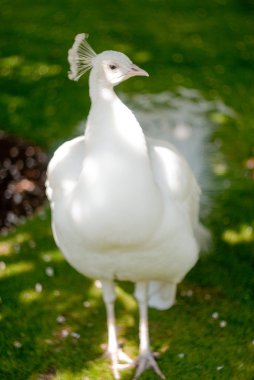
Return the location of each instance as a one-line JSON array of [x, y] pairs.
[[22, 176]]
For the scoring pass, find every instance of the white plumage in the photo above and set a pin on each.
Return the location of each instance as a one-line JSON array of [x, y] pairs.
[[124, 207]]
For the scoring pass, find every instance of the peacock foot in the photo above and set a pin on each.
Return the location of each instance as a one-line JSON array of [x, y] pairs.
[[144, 361], [119, 361]]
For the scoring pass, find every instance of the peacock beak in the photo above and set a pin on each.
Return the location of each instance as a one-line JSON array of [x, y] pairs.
[[137, 71]]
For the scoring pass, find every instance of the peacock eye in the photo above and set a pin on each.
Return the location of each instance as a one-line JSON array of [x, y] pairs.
[[112, 67]]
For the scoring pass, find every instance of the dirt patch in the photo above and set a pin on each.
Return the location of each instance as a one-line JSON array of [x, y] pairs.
[[23, 168]]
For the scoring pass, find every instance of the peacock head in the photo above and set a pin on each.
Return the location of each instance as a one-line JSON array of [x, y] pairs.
[[109, 67]]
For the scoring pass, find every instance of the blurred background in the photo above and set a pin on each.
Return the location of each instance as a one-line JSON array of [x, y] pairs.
[[200, 57]]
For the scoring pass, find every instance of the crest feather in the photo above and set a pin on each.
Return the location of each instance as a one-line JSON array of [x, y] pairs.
[[80, 57]]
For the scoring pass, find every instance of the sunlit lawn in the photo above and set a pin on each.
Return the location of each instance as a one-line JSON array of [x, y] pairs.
[[52, 320]]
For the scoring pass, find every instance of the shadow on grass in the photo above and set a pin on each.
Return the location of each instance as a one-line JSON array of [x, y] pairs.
[[53, 319], [39, 286]]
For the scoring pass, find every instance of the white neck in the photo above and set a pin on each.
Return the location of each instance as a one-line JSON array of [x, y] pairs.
[[99, 88], [112, 125], [116, 186]]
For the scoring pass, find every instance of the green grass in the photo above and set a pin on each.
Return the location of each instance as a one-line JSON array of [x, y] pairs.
[[207, 45]]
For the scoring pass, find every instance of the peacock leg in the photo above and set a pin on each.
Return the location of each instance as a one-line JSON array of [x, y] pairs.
[[113, 351], [145, 359]]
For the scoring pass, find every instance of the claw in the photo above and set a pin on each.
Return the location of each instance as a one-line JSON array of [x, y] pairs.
[[146, 361], [123, 357], [117, 356]]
